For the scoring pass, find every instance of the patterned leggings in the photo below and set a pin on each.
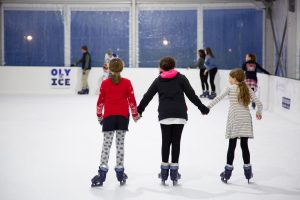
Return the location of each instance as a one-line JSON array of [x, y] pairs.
[[107, 142]]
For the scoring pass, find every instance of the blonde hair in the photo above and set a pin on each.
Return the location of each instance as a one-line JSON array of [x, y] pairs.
[[116, 66], [244, 94]]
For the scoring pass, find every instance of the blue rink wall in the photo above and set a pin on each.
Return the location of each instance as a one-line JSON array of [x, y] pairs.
[[59, 33], [277, 94]]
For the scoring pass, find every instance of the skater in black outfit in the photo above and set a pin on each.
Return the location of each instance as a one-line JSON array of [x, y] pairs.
[[251, 67], [171, 87], [203, 76], [86, 68], [211, 69]]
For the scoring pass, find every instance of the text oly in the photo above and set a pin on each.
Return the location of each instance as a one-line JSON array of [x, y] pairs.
[[60, 77]]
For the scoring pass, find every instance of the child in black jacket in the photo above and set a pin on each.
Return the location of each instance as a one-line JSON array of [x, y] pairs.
[[251, 67], [171, 87]]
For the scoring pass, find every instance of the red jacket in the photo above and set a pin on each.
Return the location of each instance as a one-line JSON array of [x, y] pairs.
[[116, 99]]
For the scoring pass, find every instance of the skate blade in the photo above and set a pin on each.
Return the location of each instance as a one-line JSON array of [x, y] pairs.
[[163, 183], [224, 180], [97, 185], [175, 183], [122, 183]]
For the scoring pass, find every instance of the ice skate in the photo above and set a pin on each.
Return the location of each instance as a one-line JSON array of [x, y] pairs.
[[164, 173], [204, 94], [83, 91], [175, 176], [121, 176], [212, 95], [99, 179], [226, 174], [248, 172]]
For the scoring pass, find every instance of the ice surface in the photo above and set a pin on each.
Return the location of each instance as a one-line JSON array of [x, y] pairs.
[[50, 149]]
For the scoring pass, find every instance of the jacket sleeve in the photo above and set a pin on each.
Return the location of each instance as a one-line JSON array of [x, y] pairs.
[[191, 95], [216, 100], [256, 100], [132, 101], [100, 102], [262, 69], [148, 96]]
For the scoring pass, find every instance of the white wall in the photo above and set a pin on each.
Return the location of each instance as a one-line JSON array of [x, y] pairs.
[[298, 37], [37, 81]]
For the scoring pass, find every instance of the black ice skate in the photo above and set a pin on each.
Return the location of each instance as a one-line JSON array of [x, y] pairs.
[[175, 176], [121, 176], [248, 172], [212, 95], [83, 91], [204, 94], [99, 179], [164, 173], [225, 175]]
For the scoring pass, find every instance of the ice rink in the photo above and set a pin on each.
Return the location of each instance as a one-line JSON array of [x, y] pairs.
[[50, 149]]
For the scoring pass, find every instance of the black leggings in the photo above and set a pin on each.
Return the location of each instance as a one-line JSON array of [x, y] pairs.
[[203, 79], [245, 150], [212, 74], [171, 135]]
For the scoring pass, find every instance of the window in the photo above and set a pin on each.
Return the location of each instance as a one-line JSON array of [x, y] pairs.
[[33, 38], [167, 32], [232, 33], [100, 31]]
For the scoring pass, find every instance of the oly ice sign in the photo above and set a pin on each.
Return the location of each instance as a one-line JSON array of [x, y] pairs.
[[60, 78]]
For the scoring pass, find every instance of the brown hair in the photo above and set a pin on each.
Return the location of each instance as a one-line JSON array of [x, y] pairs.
[[116, 66], [167, 63], [209, 52], [201, 53], [244, 94], [252, 57], [84, 47]]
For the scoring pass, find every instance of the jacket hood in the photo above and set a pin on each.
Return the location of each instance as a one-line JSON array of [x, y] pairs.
[[169, 74]]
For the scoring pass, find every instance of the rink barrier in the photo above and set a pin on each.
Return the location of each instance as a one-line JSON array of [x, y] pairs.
[[277, 94]]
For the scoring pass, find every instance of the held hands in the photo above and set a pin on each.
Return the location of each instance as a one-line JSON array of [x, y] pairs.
[[137, 117], [258, 116], [204, 110], [100, 120]]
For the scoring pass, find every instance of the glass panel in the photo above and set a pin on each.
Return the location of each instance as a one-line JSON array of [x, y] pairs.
[[33, 38], [165, 32], [100, 31], [232, 33]]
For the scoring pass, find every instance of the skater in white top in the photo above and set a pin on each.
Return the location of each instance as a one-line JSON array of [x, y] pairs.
[[239, 121], [109, 55]]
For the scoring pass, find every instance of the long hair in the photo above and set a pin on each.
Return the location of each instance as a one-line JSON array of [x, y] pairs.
[[116, 66], [244, 94], [209, 52]]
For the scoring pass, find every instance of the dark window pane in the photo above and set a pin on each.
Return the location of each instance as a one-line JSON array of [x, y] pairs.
[[231, 33], [163, 33], [34, 38], [100, 31]]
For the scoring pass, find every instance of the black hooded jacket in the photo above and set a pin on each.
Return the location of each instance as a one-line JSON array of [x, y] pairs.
[[171, 97]]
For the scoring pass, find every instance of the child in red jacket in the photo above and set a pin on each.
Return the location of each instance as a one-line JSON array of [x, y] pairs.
[[116, 96]]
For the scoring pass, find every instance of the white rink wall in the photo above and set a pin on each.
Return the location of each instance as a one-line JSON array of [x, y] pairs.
[[273, 91]]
